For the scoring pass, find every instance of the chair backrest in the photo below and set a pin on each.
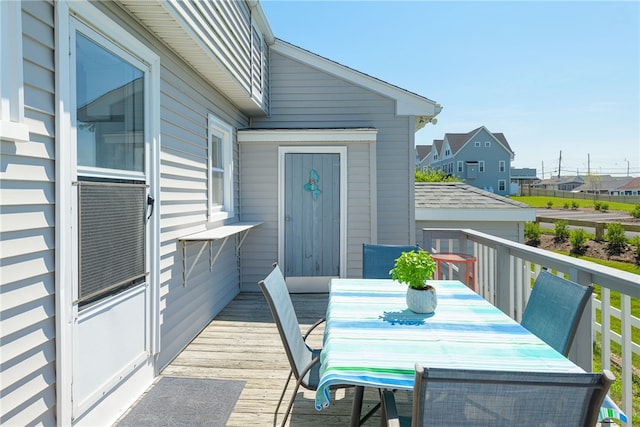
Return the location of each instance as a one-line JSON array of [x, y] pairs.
[[277, 295], [500, 398], [377, 260], [554, 310]]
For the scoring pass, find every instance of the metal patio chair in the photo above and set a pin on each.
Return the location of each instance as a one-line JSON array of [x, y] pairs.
[[461, 397], [377, 260], [304, 360], [554, 310]]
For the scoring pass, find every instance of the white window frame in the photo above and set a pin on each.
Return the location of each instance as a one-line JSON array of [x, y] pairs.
[[478, 143], [12, 126], [501, 166], [481, 166], [502, 185], [487, 143], [460, 166], [219, 128]]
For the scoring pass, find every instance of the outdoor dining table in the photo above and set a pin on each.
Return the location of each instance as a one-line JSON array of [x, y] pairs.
[[372, 339]]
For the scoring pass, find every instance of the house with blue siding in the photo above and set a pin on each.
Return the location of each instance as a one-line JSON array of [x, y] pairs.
[[156, 158], [479, 157]]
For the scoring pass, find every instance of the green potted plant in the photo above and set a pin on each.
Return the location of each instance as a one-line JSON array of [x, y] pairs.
[[414, 268]]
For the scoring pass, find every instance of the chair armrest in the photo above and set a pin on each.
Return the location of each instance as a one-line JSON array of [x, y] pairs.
[[315, 325], [389, 409]]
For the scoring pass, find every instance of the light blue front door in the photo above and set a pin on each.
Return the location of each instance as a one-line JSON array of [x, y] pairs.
[[312, 215]]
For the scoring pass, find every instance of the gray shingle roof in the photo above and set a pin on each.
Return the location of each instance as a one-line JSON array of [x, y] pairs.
[[458, 140], [447, 195], [423, 151]]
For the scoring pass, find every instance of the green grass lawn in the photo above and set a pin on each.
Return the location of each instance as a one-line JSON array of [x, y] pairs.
[[559, 202], [614, 297]]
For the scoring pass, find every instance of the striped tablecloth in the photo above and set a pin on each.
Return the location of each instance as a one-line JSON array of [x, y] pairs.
[[371, 338]]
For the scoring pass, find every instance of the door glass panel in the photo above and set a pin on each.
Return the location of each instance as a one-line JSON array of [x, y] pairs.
[[110, 109]]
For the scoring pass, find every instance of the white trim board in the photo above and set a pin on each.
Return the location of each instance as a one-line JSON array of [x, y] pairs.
[[315, 136]]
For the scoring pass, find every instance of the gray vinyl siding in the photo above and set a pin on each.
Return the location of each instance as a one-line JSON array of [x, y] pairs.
[[305, 97], [185, 103], [27, 248], [227, 30]]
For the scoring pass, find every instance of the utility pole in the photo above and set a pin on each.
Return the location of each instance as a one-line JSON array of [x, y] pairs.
[[559, 164], [588, 164], [543, 169], [627, 166]]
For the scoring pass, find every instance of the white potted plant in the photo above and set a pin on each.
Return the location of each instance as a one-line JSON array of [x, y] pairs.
[[414, 268]]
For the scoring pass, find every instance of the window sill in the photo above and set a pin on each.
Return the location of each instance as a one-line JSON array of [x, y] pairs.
[[221, 216]]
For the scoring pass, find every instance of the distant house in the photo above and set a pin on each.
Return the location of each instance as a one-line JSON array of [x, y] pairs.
[[459, 205], [157, 158], [521, 178], [480, 158], [562, 183], [603, 184], [631, 188]]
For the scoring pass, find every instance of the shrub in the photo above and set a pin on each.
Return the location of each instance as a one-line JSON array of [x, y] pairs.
[[597, 205], [549, 204], [604, 207], [578, 238], [434, 175], [635, 212], [574, 205], [532, 233], [636, 242], [566, 205], [616, 238], [561, 230]]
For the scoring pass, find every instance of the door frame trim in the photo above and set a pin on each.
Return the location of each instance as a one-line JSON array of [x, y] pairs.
[[314, 149]]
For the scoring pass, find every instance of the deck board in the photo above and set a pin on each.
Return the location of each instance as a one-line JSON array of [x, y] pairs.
[[242, 343]]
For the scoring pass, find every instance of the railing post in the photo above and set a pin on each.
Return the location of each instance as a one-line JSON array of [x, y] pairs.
[[581, 352], [504, 295]]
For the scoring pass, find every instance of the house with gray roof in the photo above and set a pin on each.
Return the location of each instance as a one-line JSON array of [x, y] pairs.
[[459, 205], [144, 148], [603, 184], [631, 188], [479, 157]]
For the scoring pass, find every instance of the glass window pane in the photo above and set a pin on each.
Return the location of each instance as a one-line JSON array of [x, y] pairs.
[[216, 152], [217, 183], [110, 109]]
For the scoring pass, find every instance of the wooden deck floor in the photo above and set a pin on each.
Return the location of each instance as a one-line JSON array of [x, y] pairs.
[[242, 343]]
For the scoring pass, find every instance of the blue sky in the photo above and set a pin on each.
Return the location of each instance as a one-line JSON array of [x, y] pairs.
[[554, 77]]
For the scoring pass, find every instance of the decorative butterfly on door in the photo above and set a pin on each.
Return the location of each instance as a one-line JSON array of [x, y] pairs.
[[312, 185]]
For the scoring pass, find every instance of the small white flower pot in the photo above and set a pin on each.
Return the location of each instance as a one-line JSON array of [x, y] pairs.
[[422, 301]]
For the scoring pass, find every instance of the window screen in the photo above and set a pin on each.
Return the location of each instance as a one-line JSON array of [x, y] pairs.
[[112, 238]]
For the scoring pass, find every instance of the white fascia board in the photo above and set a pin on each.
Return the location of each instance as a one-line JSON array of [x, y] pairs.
[[308, 135], [407, 103], [261, 21], [516, 214]]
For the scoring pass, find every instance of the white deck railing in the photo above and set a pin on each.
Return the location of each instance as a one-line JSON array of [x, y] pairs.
[[505, 271]]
